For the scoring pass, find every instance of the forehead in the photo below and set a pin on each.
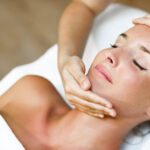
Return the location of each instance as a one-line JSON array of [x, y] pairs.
[[139, 31]]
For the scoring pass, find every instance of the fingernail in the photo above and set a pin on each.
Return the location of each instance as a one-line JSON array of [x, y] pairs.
[[113, 113], [101, 115], [109, 105], [85, 85]]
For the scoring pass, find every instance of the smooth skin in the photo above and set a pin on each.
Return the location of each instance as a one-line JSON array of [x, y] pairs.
[[29, 106], [41, 120], [145, 20], [74, 28]]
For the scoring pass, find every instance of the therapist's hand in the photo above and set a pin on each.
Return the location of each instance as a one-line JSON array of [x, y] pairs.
[[77, 89], [143, 20]]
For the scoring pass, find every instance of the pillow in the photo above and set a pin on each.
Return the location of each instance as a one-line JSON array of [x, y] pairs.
[[107, 26]]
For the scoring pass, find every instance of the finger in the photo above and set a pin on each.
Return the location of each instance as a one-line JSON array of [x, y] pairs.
[[73, 88], [145, 17], [91, 106], [88, 112], [69, 82], [145, 21], [96, 115], [78, 74], [92, 97]]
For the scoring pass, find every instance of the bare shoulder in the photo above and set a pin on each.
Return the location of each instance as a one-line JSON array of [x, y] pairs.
[[29, 106], [27, 90], [32, 94]]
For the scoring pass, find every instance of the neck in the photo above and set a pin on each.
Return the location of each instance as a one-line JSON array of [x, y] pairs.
[[103, 134]]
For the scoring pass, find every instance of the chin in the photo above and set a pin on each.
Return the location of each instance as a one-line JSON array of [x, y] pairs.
[[104, 90], [98, 86]]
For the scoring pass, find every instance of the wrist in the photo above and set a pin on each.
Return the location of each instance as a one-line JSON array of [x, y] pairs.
[[62, 60], [65, 60]]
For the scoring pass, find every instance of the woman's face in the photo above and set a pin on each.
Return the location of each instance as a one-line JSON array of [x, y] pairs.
[[128, 65]]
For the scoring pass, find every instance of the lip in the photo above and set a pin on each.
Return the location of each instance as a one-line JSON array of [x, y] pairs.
[[100, 70]]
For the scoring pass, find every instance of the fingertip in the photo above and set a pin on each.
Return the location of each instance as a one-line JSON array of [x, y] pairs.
[[101, 115], [109, 105], [86, 85], [133, 21], [113, 113]]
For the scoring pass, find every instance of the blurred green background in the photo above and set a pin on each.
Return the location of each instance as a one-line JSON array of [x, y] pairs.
[[29, 27]]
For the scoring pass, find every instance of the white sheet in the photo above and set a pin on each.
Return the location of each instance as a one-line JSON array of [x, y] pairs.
[[107, 26]]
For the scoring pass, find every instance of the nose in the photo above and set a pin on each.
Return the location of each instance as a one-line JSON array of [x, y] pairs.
[[111, 58]]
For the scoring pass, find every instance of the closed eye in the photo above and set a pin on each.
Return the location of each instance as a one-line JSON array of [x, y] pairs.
[[134, 61]]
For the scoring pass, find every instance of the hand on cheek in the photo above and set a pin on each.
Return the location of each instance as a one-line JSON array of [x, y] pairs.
[[77, 89]]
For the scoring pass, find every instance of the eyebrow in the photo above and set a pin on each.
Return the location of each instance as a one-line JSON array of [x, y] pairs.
[[143, 48], [124, 35]]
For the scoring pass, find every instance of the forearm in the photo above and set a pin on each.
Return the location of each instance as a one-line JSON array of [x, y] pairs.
[[75, 25], [73, 30]]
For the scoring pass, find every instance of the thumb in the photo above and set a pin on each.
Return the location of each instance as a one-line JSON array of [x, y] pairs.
[[78, 72], [82, 79], [85, 85]]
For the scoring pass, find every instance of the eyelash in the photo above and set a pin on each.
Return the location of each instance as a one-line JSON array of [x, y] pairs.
[[113, 46], [134, 61]]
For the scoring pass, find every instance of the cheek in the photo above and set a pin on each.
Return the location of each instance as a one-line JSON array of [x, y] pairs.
[[125, 91], [124, 88], [133, 92], [131, 84], [129, 80]]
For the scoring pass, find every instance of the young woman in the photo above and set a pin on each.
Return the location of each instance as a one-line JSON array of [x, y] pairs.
[[42, 121]]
